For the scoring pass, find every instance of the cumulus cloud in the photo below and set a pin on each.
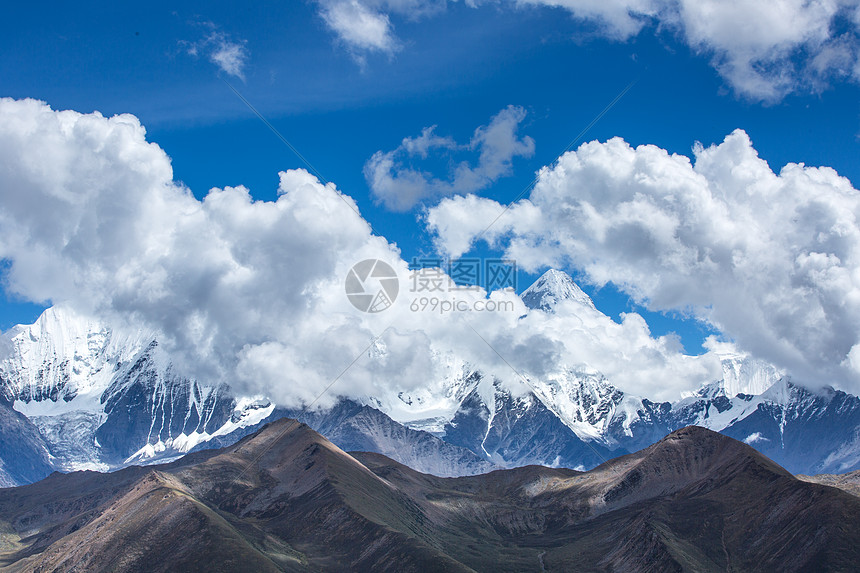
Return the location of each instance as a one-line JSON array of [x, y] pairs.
[[770, 259], [764, 50], [219, 48], [91, 218], [251, 293], [400, 186]]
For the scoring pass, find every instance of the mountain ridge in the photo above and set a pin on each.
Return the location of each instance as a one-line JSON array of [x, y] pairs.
[[285, 498]]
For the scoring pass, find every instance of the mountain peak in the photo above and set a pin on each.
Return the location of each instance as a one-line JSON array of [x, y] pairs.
[[551, 288], [691, 457]]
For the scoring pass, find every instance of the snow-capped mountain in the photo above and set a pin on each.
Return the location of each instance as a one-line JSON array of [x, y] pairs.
[[75, 394], [102, 398], [552, 288], [86, 396], [804, 431], [580, 420], [575, 417]]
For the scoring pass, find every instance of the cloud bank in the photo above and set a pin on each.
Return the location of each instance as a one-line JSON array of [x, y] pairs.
[[764, 50], [251, 293], [396, 183], [770, 259], [92, 218]]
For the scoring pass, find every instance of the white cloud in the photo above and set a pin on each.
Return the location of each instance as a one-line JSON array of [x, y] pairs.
[[400, 186], [770, 259], [251, 293], [229, 55], [359, 26], [764, 50], [365, 25], [92, 218], [755, 438]]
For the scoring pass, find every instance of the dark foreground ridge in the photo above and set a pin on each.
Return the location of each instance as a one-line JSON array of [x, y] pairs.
[[286, 499]]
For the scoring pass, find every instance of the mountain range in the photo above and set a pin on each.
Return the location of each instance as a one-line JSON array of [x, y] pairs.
[[76, 394], [287, 499]]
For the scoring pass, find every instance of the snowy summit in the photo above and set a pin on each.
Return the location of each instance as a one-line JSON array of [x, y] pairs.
[[551, 289]]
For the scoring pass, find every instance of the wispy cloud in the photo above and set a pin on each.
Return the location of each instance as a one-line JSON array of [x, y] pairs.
[[361, 28], [364, 26], [398, 184], [231, 56]]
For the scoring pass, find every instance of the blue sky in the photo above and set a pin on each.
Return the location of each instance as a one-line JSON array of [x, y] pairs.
[[453, 65]]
